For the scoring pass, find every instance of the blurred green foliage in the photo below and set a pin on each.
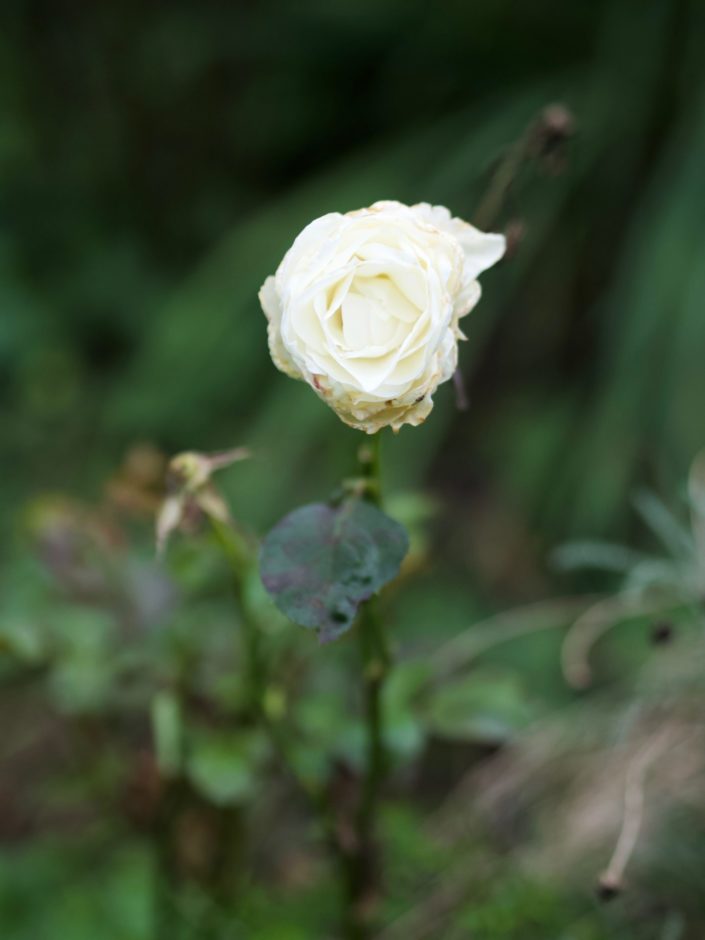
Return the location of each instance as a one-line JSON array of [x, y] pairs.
[[155, 163]]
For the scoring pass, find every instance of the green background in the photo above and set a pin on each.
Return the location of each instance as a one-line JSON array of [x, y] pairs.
[[156, 160]]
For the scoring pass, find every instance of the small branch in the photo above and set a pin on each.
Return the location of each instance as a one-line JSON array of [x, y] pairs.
[[487, 213], [542, 140]]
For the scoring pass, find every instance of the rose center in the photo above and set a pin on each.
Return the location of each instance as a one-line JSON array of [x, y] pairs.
[[375, 315]]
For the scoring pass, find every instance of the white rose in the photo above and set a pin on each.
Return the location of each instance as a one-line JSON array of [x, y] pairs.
[[365, 308]]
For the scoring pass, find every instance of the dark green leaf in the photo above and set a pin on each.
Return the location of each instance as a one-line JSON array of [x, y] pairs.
[[320, 562]]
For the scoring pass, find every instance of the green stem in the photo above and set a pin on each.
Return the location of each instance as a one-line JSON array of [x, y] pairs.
[[362, 864], [167, 880], [242, 560], [370, 459], [375, 664]]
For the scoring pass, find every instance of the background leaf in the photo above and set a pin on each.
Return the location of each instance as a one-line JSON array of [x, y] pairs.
[[222, 766], [486, 707]]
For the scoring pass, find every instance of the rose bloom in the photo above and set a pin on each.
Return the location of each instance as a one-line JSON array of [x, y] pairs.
[[365, 308]]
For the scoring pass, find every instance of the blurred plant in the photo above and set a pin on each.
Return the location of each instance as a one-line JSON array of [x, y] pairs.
[[124, 682], [217, 725], [651, 585], [158, 718]]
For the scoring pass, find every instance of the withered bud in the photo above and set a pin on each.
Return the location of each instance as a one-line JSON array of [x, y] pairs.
[[553, 129], [143, 465], [189, 490], [191, 470], [137, 487]]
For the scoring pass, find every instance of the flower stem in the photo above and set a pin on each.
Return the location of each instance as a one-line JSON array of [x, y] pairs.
[[487, 213], [241, 558], [370, 459], [362, 867]]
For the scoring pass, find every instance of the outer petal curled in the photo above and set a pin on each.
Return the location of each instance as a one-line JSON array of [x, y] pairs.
[[271, 305]]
